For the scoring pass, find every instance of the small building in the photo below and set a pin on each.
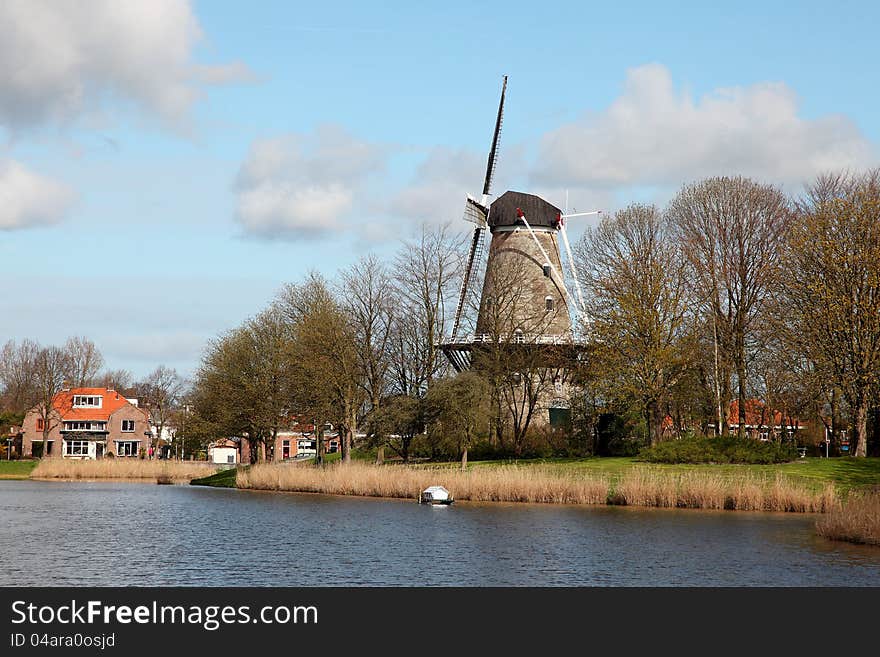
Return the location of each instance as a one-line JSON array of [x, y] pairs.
[[223, 451], [86, 423]]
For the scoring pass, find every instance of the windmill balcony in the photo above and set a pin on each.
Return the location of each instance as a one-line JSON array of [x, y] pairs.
[[519, 338]]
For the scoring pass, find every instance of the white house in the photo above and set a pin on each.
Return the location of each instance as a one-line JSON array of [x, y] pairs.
[[223, 451]]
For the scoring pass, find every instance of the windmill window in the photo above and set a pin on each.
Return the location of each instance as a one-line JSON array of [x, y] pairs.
[[549, 303], [546, 269]]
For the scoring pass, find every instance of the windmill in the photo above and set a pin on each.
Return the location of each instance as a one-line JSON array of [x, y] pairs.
[[524, 230]]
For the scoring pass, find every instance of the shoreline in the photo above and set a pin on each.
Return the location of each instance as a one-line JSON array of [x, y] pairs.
[[515, 484]]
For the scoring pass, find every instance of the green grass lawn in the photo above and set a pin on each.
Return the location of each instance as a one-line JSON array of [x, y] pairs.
[[222, 479], [845, 473], [16, 469]]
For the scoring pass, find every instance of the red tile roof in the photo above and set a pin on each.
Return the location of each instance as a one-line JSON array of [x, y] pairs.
[[111, 402], [757, 414]]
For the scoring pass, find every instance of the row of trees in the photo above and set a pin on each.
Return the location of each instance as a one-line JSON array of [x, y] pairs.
[[359, 353], [735, 291], [31, 375]]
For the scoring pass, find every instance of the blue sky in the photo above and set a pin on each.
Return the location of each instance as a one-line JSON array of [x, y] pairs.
[[166, 166]]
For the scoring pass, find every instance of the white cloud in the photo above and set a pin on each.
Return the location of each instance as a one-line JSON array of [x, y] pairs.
[[28, 199], [440, 185], [61, 60], [653, 135], [304, 186]]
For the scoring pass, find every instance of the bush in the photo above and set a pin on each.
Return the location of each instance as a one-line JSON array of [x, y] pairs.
[[728, 449]]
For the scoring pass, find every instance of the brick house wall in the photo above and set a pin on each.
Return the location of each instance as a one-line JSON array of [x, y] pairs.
[[32, 433]]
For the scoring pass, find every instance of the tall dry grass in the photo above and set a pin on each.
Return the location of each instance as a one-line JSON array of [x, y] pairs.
[[119, 468], [502, 484], [707, 490], [856, 520], [639, 487]]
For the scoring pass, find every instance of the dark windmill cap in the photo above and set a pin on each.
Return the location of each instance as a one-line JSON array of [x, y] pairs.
[[505, 211]]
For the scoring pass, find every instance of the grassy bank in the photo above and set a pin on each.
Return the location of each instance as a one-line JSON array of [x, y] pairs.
[[179, 471], [637, 486], [221, 479], [856, 520], [844, 473], [16, 469]]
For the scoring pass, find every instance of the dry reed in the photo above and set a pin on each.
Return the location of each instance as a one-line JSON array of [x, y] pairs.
[[639, 487], [856, 520], [502, 484], [118, 468], [707, 490]]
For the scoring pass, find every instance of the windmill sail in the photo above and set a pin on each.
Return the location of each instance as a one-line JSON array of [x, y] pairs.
[[493, 152], [477, 213]]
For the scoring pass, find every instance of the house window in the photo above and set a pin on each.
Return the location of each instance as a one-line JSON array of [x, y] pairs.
[[548, 303], [85, 426], [87, 401], [41, 424], [76, 447], [126, 448], [128, 425], [230, 458]]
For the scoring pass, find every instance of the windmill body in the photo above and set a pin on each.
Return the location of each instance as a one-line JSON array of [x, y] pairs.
[[523, 271]]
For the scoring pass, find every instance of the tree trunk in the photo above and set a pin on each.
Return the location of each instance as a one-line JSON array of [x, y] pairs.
[[319, 445], [346, 445], [380, 455], [464, 458], [860, 438], [835, 419], [45, 440], [741, 392], [654, 417]]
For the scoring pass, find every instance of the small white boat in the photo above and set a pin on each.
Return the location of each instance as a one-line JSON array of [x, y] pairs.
[[435, 495]]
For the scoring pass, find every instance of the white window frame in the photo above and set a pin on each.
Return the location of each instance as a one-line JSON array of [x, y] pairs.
[[87, 401], [84, 425], [133, 449], [82, 447], [130, 424]]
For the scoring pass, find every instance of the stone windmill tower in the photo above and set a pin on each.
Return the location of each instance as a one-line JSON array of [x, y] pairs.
[[525, 301]]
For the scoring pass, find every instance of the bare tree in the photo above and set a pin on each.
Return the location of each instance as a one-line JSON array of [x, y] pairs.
[[426, 273], [833, 287], [17, 374], [85, 361], [120, 380], [161, 390], [369, 299], [51, 367], [637, 285], [732, 230]]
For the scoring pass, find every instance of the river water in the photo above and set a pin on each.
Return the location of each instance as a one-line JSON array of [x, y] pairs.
[[118, 534]]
